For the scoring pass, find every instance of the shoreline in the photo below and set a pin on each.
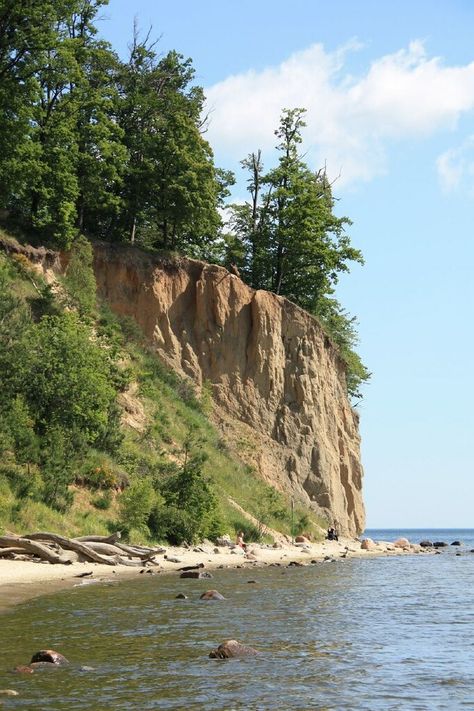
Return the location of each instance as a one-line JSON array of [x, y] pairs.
[[22, 580]]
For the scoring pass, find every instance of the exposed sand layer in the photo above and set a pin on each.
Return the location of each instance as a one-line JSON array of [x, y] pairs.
[[21, 580]]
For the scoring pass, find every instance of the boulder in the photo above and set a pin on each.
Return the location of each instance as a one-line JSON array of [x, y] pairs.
[[439, 544], [48, 656], [212, 595], [224, 541], [181, 596], [301, 539], [402, 543], [456, 543], [426, 544], [231, 648], [367, 544]]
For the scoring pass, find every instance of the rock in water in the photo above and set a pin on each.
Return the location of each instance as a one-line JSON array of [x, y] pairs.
[[195, 574], [212, 595], [48, 656], [230, 649]]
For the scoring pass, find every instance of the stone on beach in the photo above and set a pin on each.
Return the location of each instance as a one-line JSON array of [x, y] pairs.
[[402, 543], [367, 544]]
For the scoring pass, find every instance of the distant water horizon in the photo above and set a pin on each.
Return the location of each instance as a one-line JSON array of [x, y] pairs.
[[415, 535]]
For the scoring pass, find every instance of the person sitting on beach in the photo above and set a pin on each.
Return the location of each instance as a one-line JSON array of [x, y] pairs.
[[240, 540], [332, 535]]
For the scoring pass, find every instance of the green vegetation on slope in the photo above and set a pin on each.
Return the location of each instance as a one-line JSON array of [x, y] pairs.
[[68, 464]]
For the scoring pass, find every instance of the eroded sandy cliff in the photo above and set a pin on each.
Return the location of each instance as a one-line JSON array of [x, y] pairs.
[[277, 381]]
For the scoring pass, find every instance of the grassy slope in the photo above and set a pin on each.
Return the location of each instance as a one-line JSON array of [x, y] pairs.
[[171, 410]]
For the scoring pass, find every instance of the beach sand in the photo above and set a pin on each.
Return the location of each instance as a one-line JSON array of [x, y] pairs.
[[21, 580]]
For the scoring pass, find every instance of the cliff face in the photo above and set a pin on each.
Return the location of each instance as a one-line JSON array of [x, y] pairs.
[[276, 379]]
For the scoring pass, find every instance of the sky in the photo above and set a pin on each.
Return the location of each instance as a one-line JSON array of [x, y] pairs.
[[389, 92]]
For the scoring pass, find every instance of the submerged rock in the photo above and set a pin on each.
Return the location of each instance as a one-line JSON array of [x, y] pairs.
[[212, 595], [230, 649], [48, 656], [195, 574]]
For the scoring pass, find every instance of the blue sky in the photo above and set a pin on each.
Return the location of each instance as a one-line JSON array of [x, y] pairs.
[[389, 89]]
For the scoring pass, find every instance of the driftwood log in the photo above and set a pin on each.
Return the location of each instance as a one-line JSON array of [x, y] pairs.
[[113, 538], [53, 548], [33, 547]]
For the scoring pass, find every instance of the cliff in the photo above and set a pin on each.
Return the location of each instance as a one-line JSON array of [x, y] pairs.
[[277, 381]]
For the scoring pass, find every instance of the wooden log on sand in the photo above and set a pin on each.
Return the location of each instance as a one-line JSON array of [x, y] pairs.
[[33, 547], [113, 538], [72, 545]]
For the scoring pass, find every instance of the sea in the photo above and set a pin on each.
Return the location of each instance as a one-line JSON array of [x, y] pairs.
[[354, 634]]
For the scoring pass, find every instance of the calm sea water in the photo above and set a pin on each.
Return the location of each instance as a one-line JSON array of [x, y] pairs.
[[383, 633]]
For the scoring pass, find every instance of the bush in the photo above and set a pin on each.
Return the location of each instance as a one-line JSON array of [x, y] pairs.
[[97, 472], [56, 470], [136, 504], [103, 502], [190, 510], [80, 280]]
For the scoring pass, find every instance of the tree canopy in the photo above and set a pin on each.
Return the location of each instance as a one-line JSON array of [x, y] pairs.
[[116, 149], [287, 238]]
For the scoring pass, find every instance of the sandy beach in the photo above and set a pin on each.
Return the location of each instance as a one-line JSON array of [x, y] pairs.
[[21, 580]]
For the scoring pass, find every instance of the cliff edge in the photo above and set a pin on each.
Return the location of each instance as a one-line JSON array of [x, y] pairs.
[[277, 381]]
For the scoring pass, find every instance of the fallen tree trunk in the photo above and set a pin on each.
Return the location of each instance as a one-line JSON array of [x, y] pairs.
[[73, 545], [99, 539], [142, 553], [11, 551], [31, 546], [104, 548]]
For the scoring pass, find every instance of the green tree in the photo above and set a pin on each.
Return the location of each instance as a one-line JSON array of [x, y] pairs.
[[71, 388], [136, 504], [49, 61], [171, 187], [56, 469], [189, 512], [80, 279], [288, 240]]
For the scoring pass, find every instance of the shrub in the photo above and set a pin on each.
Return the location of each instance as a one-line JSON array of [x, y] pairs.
[[103, 502], [190, 510], [56, 470], [97, 472], [136, 504], [80, 280]]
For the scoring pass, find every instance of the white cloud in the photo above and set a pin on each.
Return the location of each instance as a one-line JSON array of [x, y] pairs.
[[350, 121], [456, 167]]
